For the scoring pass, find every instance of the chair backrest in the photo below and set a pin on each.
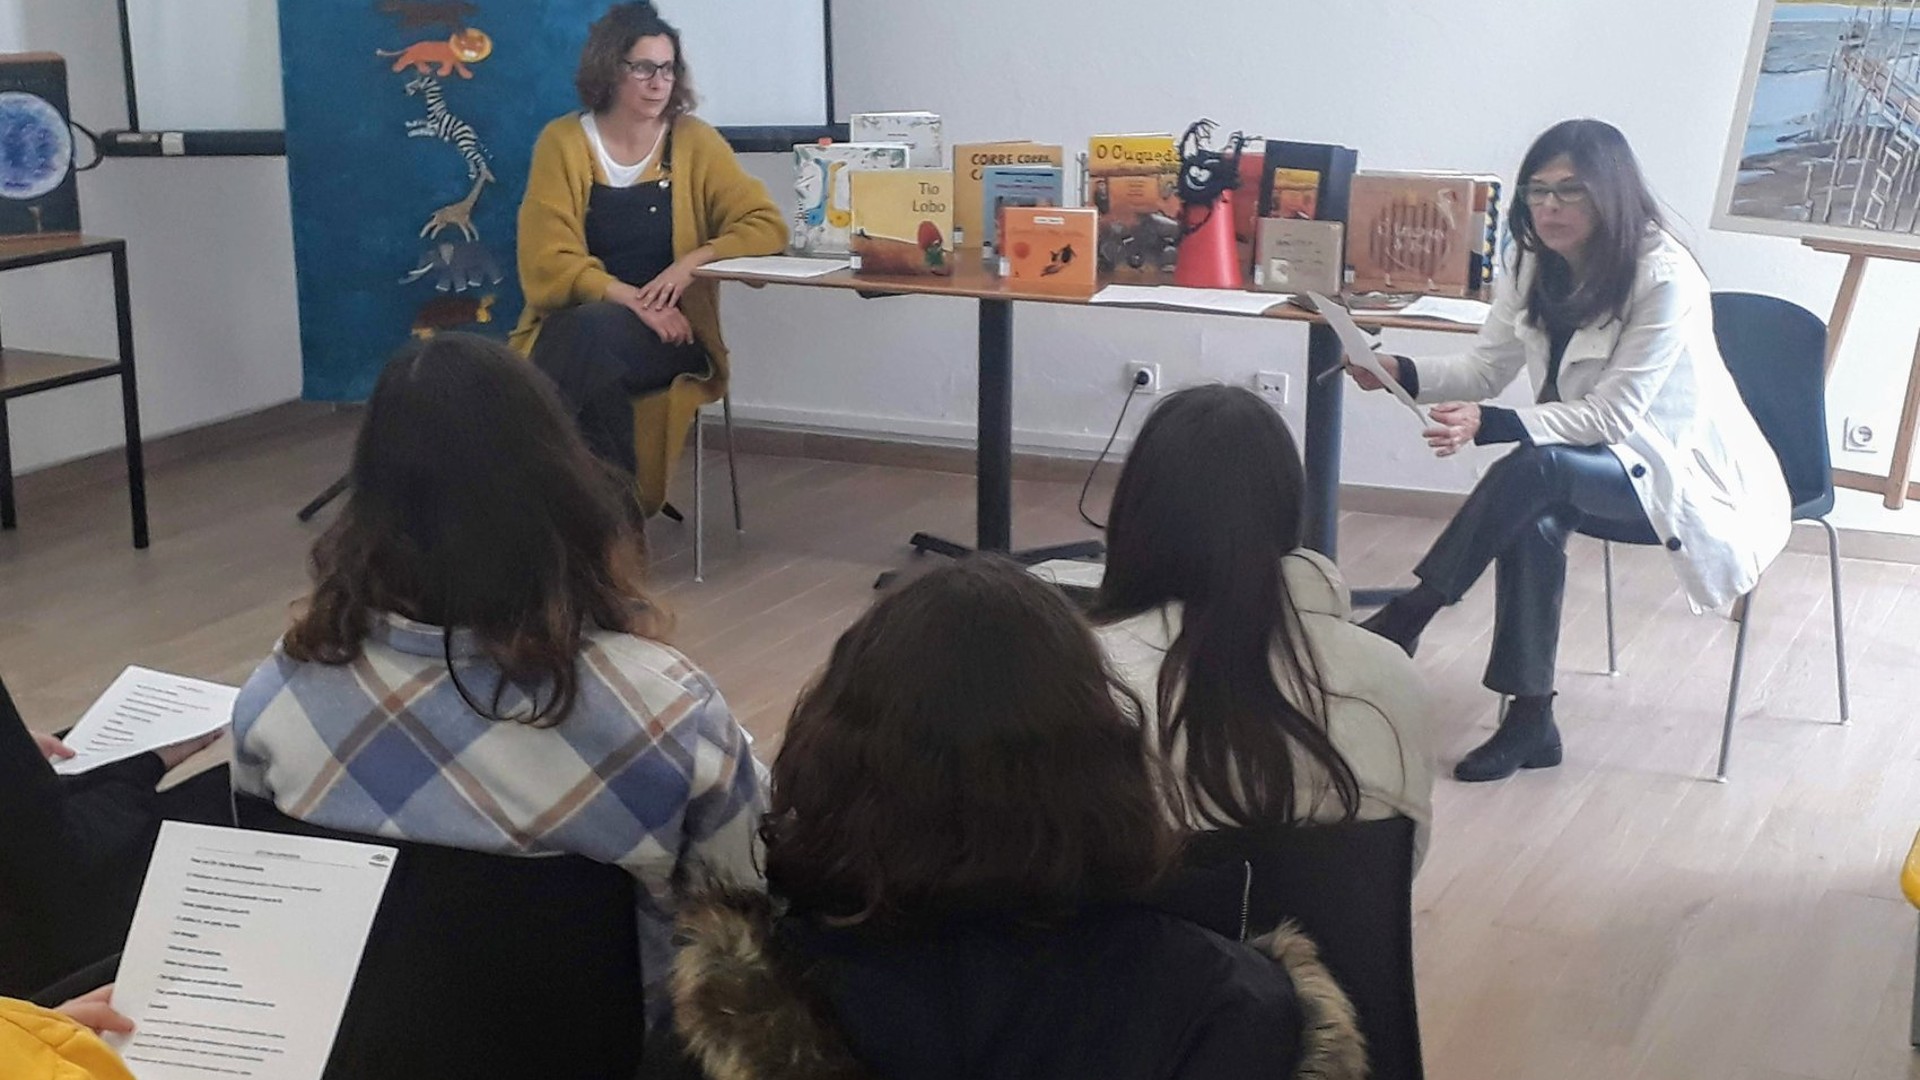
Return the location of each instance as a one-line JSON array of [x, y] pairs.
[[484, 966], [1350, 887], [1776, 351]]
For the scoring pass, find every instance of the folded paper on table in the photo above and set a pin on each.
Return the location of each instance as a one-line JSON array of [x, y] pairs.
[[778, 266], [1226, 301], [1450, 309]]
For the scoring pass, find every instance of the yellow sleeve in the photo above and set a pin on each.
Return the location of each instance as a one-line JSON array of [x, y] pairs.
[[742, 219], [555, 269]]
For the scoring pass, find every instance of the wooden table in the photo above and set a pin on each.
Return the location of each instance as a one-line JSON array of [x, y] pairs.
[[24, 371], [994, 441]]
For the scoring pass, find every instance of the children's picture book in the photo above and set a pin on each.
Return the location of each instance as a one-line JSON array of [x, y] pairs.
[[1133, 182], [918, 130], [1003, 186], [903, 221], [970, 164], [1295, 256], [823, 194], [1413, 232], [1051, 246]]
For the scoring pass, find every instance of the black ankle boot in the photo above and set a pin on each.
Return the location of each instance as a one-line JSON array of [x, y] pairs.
[[1527, 739], [1405, 618]]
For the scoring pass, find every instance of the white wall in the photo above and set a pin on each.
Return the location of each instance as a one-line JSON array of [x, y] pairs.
[[1411, 83], [210, 249]]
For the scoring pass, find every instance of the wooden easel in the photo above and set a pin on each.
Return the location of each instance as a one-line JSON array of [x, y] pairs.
[[1894, 486]]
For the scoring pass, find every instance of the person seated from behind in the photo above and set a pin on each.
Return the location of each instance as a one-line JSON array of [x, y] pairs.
[[478, 665], [1271, 707], [965, 814], [74, 849]]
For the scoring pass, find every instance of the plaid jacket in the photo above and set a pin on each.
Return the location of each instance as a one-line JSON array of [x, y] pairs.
[[649, 770]]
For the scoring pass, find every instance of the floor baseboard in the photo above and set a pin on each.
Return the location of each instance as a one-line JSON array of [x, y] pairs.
[[780, 440]]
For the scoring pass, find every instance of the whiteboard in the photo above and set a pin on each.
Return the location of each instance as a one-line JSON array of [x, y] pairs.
[[214, 65], [206, 65]]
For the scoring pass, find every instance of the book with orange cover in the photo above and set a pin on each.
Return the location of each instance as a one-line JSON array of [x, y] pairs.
[[970, 164], [1050, 245], [903, 221], [1414, 232]]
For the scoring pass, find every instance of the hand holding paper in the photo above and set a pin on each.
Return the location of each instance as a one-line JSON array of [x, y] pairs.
[[1360, 352], [146, 710]]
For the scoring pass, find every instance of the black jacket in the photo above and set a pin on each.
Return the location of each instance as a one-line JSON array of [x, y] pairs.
[[1122, 993], [73, 853]]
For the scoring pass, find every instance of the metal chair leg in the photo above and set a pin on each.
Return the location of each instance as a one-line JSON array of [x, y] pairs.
[[1839, 621], [733, 467], [1733, 683], [1613, 647], [699, 499], [1914, 1036]]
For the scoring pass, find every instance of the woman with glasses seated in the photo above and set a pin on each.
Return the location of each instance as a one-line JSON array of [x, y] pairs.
[[1636, 428], [624, 201]]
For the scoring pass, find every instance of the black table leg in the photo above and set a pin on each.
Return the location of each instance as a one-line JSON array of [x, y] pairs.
[[993, 462], [1324, 412], [1322, 526], [7, 518], [130, 400]]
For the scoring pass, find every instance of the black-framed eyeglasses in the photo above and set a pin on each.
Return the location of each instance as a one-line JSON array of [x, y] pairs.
[[644, 70], [1566, 192]]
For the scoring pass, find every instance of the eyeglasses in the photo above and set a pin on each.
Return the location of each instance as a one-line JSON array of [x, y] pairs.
[[643, 70], [1566, 193]]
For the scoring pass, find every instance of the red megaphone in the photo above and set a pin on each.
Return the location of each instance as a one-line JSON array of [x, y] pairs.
[[1209, 255]]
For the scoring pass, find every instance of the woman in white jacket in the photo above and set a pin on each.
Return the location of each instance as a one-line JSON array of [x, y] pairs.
[[1271, 706], [1636, 424]]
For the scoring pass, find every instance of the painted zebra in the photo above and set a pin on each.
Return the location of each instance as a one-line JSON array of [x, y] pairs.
[[441, 124]]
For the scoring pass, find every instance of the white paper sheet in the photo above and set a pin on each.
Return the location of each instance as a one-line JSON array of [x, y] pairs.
[[145, 710], [1076, 572], [242, 952], [1450, 309], [779, 266], [1359, 348], [1226, 301]]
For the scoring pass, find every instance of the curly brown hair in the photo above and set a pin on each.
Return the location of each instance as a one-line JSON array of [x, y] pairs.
[[603, 59], [475, 506], [966, 752]]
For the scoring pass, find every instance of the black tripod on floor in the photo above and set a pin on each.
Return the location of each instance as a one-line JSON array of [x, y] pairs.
[[320, 501]]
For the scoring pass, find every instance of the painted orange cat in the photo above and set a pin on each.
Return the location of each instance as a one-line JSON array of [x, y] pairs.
[[465, 47]]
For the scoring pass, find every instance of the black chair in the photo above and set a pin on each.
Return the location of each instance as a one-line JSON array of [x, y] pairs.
[[488, 966], [1349, 887], [1776, 352]]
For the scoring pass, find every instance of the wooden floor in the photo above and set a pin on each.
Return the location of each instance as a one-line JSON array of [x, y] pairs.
[[1617, 918]]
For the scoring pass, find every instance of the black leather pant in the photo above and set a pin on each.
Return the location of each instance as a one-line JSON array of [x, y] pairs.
[[1518, 517]]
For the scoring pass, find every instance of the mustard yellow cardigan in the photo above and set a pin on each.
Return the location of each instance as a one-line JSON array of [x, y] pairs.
[[715, 203]]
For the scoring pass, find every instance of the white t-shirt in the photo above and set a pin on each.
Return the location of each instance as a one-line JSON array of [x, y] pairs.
[[619, 175]]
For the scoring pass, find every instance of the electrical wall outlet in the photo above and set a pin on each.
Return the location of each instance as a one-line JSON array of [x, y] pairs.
[[1859, 437], [1152, 372], [1275, 386]]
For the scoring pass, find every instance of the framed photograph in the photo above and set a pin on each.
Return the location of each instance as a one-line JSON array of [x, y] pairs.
[[1826, 133]]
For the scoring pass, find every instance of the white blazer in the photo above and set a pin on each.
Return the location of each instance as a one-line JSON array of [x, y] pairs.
[[1376, 699], [1656, 392]]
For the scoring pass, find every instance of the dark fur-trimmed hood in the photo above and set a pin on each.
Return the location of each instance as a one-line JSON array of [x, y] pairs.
[[745, 1016]]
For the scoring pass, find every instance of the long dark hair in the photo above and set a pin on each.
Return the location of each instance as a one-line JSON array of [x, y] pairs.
[[603, 59], [1207, 506], [965, 752], [475, 506], [1624, 213]]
